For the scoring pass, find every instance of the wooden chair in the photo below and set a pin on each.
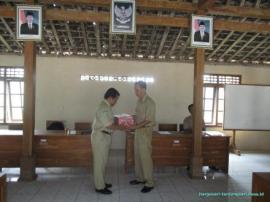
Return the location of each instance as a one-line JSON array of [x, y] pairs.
[[55, 125], [83, 128], [3, 187], [167, 127]]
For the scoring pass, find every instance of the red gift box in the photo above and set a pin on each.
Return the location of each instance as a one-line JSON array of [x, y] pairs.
[[124, 120]]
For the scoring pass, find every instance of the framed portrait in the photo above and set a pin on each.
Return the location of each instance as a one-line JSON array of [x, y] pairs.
[[123, 14], [28, 22], [201, 31]]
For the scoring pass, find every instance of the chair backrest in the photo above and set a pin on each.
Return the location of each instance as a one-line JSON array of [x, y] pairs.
[[55, 125], [18, 126], [83, 128], [167, 127], [83, 125]]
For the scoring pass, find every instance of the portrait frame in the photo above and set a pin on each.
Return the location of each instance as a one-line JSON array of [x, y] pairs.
[[123, 17], [199, 23], [23, 32]]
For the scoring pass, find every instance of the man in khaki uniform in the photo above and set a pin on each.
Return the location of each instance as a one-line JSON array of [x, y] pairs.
[[188, 121], [103, 125], [145, 121]]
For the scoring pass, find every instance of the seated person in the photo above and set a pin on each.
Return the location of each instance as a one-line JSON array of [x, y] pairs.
[[188, 126], [55, 125], [188, 121]]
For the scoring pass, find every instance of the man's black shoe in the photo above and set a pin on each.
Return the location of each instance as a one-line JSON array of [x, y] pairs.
[[146, 189], [104, 191], [107, 185], [134, 182]]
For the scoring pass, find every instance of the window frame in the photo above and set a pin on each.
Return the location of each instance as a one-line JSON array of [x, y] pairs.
[[7, 76], [217, 85]]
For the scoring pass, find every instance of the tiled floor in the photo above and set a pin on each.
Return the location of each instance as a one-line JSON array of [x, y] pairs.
[[171, 185]]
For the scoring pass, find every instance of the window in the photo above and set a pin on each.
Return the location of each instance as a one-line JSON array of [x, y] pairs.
[[11, 94], [213, 97]]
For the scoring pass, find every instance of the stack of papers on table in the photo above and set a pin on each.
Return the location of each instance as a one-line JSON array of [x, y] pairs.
[[214, 133]]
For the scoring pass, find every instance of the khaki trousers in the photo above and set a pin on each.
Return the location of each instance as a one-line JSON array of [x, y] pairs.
[[100, 147], [143, 156]]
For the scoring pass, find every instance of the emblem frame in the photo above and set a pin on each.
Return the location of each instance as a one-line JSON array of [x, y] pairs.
[[119, 23]]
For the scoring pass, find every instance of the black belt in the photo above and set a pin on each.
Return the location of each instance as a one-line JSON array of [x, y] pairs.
[[106, 132]]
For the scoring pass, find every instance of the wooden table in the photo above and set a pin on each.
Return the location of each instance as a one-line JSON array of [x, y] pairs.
[[174, 149], [50, 148], [261, 184]]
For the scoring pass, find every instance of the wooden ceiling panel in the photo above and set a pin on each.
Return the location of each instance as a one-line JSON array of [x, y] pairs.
[[81, 27]]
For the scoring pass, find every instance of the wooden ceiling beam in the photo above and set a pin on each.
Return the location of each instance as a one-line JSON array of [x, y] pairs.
[[45, 45], [231, 47], [220, 45], [184, 47], [84, 37], [150, 43], [247, 12], [137, 40], [97, 35], [144, 4], [183, 22], [5, 43], [205, 4], [245, 45], [262, 52], [164, 37], [258, 2], [7, 12], [56, 36], [242, 3], [168, 5], [267, 58], [255, 48], [69, 35], [68, 31], [110, 44], [156, 20], [124, 45], [180, 7], [84, 34], [11, 32], [175, 43]]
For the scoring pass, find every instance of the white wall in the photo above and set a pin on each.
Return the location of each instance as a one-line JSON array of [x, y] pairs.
[[61, 95]]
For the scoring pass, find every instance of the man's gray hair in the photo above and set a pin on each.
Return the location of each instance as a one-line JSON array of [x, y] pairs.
[[142, 84]]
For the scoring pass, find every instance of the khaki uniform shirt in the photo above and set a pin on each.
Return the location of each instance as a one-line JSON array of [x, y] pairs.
[[103, 118], [188, 124], [146, 110]]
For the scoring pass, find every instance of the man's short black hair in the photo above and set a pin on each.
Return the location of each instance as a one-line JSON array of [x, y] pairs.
[[111, 92], [29, 13], [202, 23], [142, 84], [189, 107]]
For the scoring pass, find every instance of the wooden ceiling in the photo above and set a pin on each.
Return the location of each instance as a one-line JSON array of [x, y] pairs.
[[81, 28]]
